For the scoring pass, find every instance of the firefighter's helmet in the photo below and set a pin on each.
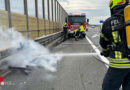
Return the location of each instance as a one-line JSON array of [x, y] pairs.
[[65, 24], [114, 3]]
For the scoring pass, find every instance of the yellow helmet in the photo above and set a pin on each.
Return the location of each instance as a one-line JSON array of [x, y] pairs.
[[65, 23], [114, 3]]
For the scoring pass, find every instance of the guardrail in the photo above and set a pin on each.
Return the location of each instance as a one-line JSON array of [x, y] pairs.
[[47, 39], [4, 53], [42, 40], [33, 18]]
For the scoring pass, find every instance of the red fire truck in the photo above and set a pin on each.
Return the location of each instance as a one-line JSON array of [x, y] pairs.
[[74, 22]]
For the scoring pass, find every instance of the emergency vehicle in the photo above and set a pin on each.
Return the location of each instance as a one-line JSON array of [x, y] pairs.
[[74, 22]]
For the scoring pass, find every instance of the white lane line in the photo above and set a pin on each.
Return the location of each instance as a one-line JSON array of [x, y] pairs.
[[73, 54], [103, 59]]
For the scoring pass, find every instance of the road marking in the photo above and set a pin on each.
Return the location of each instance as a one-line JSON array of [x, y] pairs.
[[75, 43], [103, 59], [73, 54]]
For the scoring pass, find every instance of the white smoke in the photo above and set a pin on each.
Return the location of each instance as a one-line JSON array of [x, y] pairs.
[[25, 52]]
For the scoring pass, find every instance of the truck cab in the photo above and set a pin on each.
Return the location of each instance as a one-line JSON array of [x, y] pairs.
[[74, 22]]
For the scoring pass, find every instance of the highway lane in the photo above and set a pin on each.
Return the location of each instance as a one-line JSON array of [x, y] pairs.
[[94, 34], [73, 73], [80, 73]]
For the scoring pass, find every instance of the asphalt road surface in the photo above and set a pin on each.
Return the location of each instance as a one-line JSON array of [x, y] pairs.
[[73, 73]]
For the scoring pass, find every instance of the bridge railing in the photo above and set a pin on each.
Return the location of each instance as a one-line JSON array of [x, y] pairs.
[[33, 18]]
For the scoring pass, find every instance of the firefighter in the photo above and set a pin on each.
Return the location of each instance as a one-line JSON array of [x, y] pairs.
[[82, 31], [113, 43], [101, 26], [65, 31], [76, 34]]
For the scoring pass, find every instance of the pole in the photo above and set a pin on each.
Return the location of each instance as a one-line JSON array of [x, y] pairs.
[[43, 6], [36, 9], [48, 1], [26, 13], [55, 16], [9, 12], [52, 16]]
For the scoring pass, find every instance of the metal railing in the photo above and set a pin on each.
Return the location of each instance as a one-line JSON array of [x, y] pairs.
[[5, 52], [50, 10], [50, 38]]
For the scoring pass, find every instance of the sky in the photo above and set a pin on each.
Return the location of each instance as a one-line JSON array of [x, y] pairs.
[[95, 10], [18, 7]]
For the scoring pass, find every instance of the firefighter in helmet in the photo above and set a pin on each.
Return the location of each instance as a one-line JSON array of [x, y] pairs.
[[82, 31], [113, 43], [76, 34], [65, 31]]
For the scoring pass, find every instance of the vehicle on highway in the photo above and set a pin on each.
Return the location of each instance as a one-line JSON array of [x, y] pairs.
[[74, 22]]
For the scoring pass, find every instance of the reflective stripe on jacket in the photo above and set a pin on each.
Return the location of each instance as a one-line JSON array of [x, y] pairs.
[[75, 31], [112, 37]]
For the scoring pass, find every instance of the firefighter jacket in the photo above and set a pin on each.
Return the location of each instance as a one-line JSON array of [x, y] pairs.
[[81, 28], [75, 31], [65, 29], [111, 36]]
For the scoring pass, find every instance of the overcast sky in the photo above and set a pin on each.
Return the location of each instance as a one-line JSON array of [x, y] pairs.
[[95, 10]]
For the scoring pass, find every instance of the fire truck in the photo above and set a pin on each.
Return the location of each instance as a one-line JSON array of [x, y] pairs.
[[74, 22]]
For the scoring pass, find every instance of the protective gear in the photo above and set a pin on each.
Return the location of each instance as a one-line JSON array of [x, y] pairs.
[[114, 3], [75, 31], [82, 32], [111, 37], [101, 27], [76, 34], [65, 24], [127, 21], [113, 34], [81, 28], [114, 78], [65, 31], [105, 53], [117, 6]]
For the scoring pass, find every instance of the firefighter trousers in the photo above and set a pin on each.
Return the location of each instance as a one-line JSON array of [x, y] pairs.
[[114, 78]]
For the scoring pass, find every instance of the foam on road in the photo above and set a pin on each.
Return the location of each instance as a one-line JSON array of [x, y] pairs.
[[79, 73], [73, 72]]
